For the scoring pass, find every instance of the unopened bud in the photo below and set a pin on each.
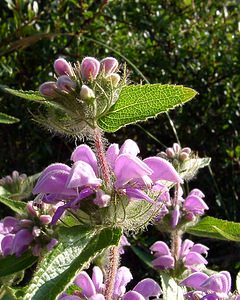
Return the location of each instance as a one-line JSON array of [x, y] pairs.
[[114, 78], [170, 152], [51, 244], [45, 219], [65, 83], [26, 223], [163, 155], [62, 67], [186, 150], [30, 209], [47, 89], [90, 68], [176, 148], [86, 93], [108, 65], [183, 156], [36, 250]]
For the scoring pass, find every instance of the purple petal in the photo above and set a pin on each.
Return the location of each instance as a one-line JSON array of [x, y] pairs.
[[164, 262], [185, 248], [215, 283], [195, 280], [22, 240], [193, 258], [90, 68], [138, 194], [161, 248], [53, 180], [108, 65], [200, 249], [102, 199], [162, 170], [112, 154], [129, 147], [6, 244], [97, 297], [85, 153], [148, 288], [65, 83], [85, 283], [69, 297], [197, 192], [82, 174], [132, 295], [228, 282], [9, 224], [62, 67], [210, 297], [97, 279], [175, 216], [128, 168], [122, 279], [195, 204]]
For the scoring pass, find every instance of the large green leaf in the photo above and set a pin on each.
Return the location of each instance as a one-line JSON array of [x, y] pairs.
[[6, 119], [78, 246], [28, 95], [12, 264], [216, 228], [17, 206], [140, 102]]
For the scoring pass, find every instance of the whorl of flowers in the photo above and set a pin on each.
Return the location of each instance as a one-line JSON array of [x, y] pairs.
[[131, 180], [81, 93]]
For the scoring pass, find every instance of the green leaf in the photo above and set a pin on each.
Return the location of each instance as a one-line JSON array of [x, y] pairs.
[[140, 102], [216, 228], [28, 95], [171, 290], [6, 119], [144, 256], [18, 206], [12, 264], [78, 246]]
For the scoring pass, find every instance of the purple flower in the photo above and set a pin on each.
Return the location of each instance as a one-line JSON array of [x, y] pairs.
[[189, 253], [65, 83], [194, 203], [108, 65], [216, 286], [93, 288], [48, 89]]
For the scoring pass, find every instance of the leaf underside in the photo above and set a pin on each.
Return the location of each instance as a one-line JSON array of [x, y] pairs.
[[140, 102], [17, 206], [6, 119]]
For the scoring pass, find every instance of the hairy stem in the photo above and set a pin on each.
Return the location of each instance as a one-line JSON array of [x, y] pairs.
[[113, 261], [105, 172]]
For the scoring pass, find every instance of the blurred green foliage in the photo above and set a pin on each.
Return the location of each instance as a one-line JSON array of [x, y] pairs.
[[193, 43]]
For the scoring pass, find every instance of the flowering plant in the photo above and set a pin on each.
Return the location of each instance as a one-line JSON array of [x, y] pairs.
[[82, 212]]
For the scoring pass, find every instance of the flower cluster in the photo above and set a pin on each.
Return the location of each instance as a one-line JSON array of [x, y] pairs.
[[81, 94], [94, 288], [18, 234], [189, 256], [214, 287], [129, 178]]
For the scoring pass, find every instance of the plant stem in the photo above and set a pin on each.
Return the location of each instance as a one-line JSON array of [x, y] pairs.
[[105, 172], [112, 267]]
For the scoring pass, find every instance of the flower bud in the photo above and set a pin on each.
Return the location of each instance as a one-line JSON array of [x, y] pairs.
[[45, 219], [65, 83], [86, 93], [114, 78], [62, 67], [90, 68], [183, 156], [108, 65], [47, 89], [26, 223], [30, 209], [170, 153], [176, 148], [186, 150]]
